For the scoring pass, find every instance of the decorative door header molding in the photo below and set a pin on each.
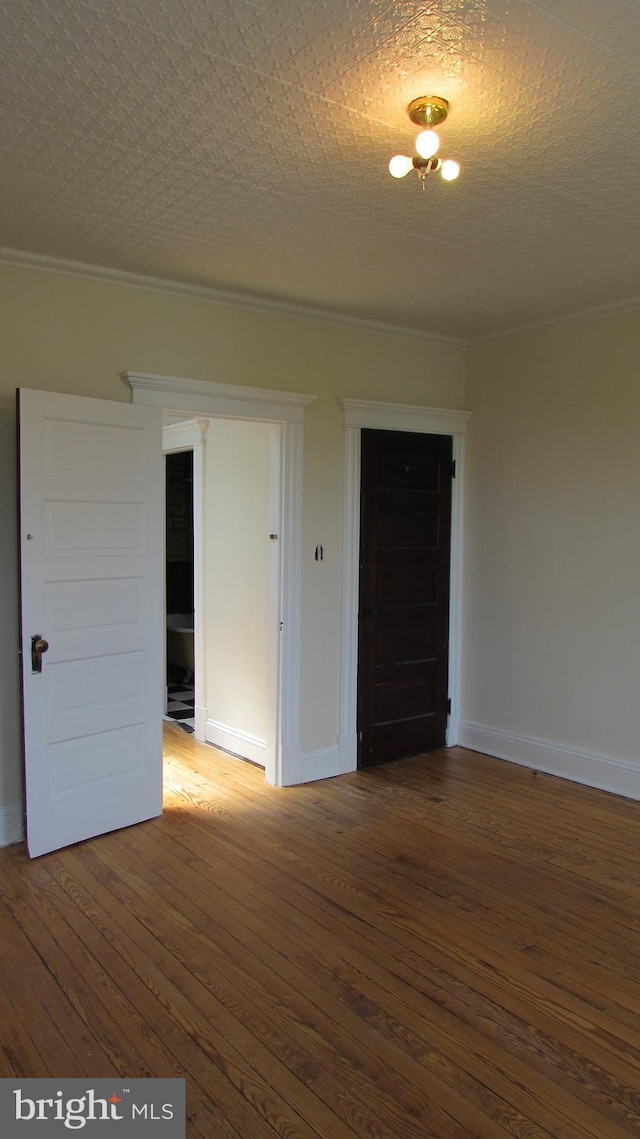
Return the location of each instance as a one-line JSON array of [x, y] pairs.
[[404, 417], [232, 401]]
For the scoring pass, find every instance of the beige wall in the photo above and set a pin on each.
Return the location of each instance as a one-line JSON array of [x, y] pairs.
[[552, 552], [236, 574], [552, 547], [67, 334]]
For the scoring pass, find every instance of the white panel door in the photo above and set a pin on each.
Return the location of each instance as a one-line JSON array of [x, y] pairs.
[[91, 541]]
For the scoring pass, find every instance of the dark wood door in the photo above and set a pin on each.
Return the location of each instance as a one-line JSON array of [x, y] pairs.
[[405, 541]]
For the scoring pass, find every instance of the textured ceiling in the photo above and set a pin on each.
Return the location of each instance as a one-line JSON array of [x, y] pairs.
[[243, 145]]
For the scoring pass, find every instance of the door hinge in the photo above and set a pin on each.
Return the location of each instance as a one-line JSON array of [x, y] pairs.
[[448, 706], [453, 468]]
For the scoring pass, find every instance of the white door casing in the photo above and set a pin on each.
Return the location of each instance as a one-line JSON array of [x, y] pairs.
[[91, 539], [182, 397]]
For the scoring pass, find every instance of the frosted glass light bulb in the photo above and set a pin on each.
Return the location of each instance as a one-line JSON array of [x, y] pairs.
[[450, 170], [427, 143], [400, 165]]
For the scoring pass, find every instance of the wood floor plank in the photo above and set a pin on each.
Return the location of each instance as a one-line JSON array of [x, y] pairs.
[[337, 1030], [352, 1010], [190, 985], [353, 1091], [19, 1050], [442, 948], [150, 992], [590, 962], [461, 1011]]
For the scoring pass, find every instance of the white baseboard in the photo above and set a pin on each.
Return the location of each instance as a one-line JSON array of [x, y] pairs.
[[606, 772], [348, 753], [11, 824], [236, 741], [200, 723], [453, 730]]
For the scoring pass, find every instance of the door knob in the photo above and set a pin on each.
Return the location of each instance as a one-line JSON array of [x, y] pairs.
[[38, 647]]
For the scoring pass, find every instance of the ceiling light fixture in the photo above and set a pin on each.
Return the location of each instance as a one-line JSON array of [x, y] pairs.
[[427, 112]]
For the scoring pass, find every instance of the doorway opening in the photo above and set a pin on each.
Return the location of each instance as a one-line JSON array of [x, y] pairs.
[[223, 580], [179, 590]]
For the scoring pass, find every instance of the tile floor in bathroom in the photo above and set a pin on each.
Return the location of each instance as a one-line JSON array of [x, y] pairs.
[[180, 705]]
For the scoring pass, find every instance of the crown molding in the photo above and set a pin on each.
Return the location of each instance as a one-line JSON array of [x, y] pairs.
[[221, 296], [579, 316], [300, 311]]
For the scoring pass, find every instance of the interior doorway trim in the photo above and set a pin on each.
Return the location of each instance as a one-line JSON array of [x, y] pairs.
[[197, 398], [359, 414], [189, 435]]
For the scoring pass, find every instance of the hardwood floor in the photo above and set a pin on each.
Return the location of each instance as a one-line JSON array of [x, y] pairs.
[[442, 948]]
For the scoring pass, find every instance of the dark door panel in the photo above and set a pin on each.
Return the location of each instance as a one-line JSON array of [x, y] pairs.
[[404, 594], [396, 740], [400, 521], [403, 700], [406, 634], [408, 471], [407, 577]]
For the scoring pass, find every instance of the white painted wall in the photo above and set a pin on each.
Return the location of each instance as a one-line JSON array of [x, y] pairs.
[[552, 551], [236, 578]]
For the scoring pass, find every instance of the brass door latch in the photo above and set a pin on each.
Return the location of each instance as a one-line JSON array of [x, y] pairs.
[[38, 647]]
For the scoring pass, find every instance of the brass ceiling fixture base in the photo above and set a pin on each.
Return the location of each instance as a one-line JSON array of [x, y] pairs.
[[428, 110]]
